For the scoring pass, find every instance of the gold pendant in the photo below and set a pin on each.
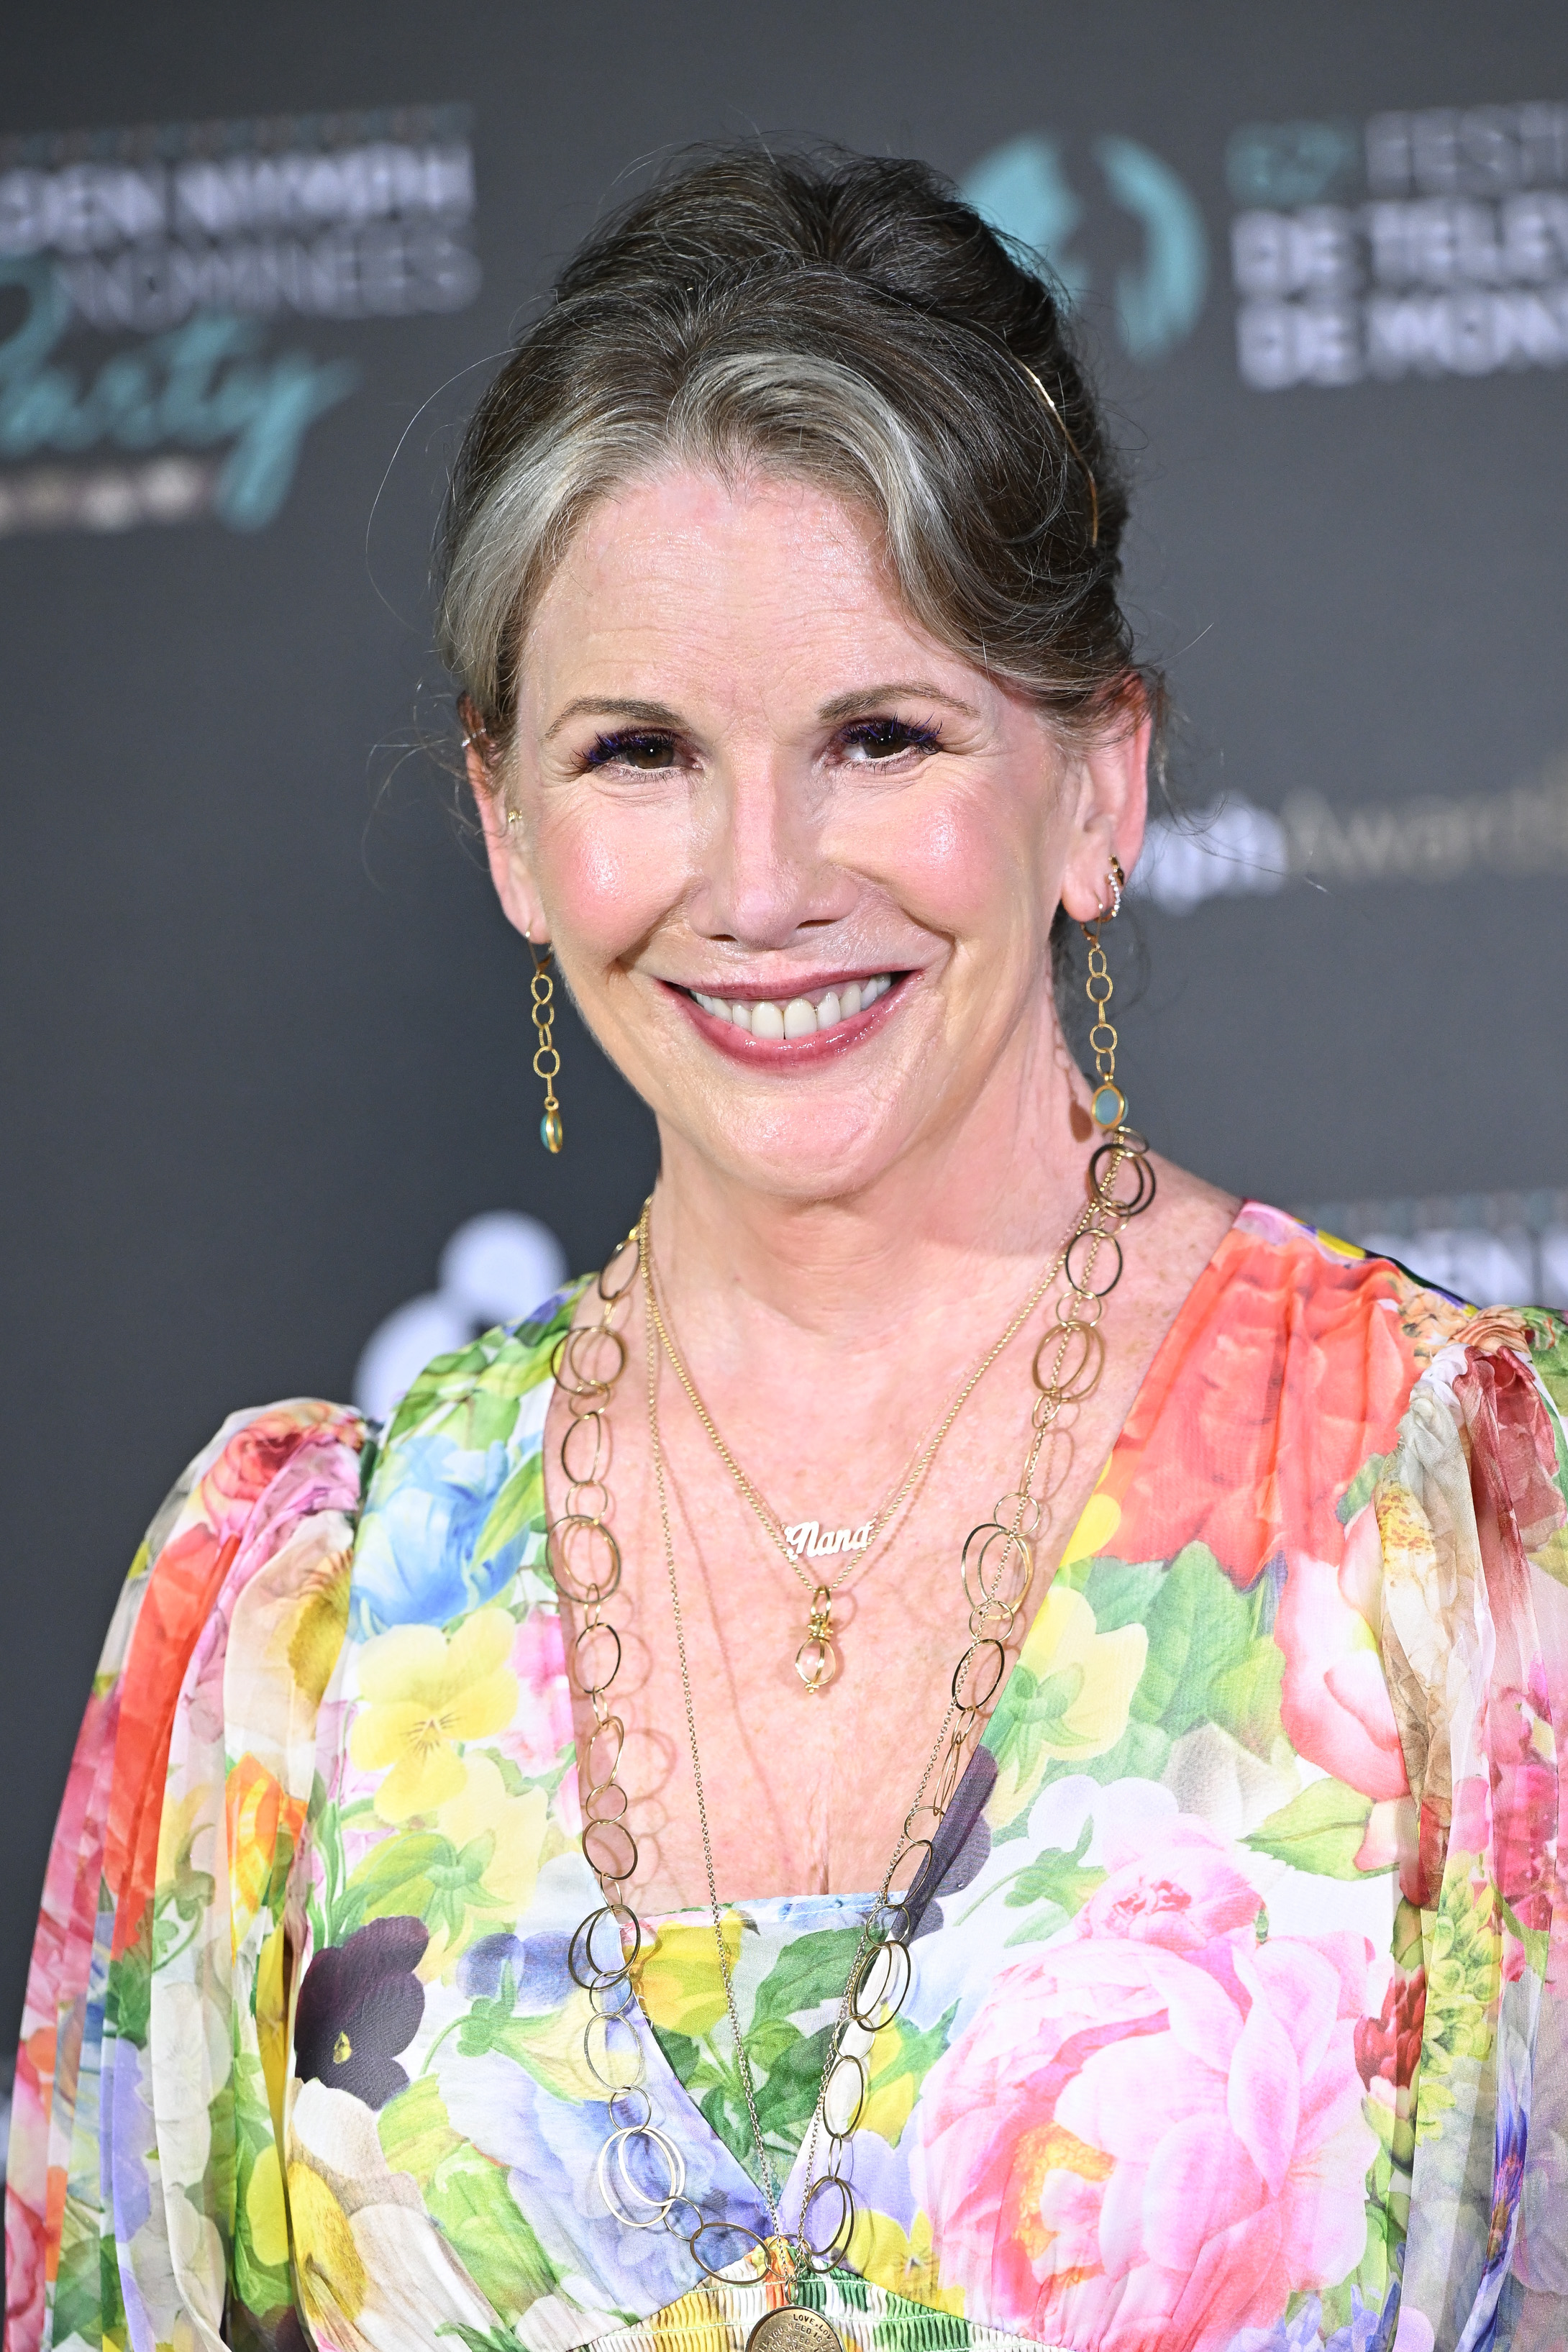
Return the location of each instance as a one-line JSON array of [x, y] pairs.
[[816, 1660], [792, 2328]]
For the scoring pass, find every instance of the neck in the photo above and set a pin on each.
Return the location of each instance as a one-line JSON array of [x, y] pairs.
[[956, 1224]]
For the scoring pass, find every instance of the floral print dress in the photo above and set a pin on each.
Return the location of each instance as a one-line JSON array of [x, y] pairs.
[[1237, 2017]]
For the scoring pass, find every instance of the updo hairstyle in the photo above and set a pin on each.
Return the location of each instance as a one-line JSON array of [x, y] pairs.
[[842, 318]]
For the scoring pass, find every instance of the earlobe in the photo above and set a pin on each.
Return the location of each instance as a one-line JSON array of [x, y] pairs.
[[1112, 813], [504, 832]]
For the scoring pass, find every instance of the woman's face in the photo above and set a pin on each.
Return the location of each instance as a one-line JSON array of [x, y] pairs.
[[798, 862]]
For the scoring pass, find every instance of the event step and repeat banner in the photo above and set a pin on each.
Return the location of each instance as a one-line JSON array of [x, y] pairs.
[[272, 1123]]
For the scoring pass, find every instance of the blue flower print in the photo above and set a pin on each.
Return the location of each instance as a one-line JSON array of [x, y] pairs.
[[416, 1561]]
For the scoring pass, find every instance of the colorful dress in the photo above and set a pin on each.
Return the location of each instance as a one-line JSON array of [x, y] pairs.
[[1238, 2018]]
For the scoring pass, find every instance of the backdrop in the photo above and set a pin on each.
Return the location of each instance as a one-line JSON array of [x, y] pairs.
[[267, 1037]]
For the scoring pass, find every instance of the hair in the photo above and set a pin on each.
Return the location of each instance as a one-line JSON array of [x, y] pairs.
[[842, 318]]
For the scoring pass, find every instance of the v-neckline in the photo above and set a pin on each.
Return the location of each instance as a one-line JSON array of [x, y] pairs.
[[1150, 1389]]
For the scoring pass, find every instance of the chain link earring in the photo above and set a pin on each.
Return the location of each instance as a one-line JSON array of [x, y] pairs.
[[1108, 1106], [546, 1059]]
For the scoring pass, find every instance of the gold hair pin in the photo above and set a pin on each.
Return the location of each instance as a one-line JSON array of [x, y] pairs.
[[1061, 425]]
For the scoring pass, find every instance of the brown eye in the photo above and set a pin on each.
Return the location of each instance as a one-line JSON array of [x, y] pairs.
[[644, 751], [872, 739]]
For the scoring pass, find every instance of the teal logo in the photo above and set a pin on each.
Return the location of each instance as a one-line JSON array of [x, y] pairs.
[[207, 384], [1023, 189]]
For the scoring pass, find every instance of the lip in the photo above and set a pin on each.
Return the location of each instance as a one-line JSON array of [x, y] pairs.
[[790, 1053]]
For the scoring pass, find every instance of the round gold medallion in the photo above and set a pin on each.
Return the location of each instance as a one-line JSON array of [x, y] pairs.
[[793, 2329]]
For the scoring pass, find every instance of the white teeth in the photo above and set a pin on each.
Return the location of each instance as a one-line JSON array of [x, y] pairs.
[[800, 1017]]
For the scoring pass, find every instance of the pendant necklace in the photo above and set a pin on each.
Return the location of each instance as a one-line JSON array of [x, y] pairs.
[[816, 1660], [996, 1568]]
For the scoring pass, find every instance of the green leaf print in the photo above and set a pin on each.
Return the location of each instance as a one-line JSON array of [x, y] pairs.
[[788, 2100], [1120, 1591], [468, 2198], [1464, 1977], [83, 2276], [1212, 1658], [811, 1970], [419, 1875], [519, 1502], [1321, 1830], [1055, 1876], [413, 2131]]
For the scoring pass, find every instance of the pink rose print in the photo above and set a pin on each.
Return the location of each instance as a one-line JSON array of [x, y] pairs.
[[1334, 1701], [252, 1459], [1151, 2136], [1182, 1892], [541, 1723]]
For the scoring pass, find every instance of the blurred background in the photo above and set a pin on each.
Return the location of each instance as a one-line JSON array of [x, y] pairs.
[[271, 1124]]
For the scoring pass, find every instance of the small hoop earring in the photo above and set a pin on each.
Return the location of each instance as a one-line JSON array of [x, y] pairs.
[[546, 1060], [1108, 1105]]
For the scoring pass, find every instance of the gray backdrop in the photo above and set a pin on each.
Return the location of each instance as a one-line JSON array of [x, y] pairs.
[[266, 1032]]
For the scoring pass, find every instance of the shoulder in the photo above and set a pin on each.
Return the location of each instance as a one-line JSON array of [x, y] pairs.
[[1279, 1391], [455, 1504], [266, 1461]]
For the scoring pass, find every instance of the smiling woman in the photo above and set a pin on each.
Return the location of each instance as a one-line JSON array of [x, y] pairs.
[[959, 1749]]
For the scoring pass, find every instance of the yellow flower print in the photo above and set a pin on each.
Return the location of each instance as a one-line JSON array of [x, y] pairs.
[[272, 2021], [265, 2212], [881, 2253], [374, 2270], [1098, 1522], [317, 1632], [179, 1823], [332, 2281], [424, 1694], [1068, 1698], [263, 1824], [679, 1981], [514, 1828]]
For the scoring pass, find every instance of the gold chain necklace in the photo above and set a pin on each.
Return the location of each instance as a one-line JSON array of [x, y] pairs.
[[996, 1567], [816, 1660]]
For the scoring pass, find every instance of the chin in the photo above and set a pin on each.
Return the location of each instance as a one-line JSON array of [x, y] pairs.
[[799, 1157]]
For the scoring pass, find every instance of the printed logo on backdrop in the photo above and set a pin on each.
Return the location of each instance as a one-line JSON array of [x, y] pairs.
[[1024, 190], [1431, 244], [1234, 849], [158, 285]]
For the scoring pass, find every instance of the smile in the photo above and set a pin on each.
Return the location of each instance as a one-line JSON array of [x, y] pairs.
[[799, 1016], [794, 1032]]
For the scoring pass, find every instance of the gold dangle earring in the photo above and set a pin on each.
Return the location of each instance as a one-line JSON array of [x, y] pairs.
[[1108, 1106], [546, 1060]]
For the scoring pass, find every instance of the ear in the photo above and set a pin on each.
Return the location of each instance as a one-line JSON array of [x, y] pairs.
[[1111, 813], [505, 845]]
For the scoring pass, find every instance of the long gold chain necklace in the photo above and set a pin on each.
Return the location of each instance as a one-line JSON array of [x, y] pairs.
[[816, 1660], [997, 1566]]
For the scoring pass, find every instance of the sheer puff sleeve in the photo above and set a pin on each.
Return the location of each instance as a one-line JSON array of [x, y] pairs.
[[144, 2196], [1472, 1512]]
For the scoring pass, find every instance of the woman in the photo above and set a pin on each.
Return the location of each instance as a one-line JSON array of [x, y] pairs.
[[497, 1897]]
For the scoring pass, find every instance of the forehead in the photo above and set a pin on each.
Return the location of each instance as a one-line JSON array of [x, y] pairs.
[[761, 560]]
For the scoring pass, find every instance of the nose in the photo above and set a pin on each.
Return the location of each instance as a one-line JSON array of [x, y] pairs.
[[760, 876]]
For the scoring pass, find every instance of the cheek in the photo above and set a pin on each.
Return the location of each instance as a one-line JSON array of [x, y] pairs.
[[604, 877], [967, 866]]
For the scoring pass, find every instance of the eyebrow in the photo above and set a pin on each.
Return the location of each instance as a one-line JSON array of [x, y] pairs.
[[849, 705], [605, 706], [843, 706]]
